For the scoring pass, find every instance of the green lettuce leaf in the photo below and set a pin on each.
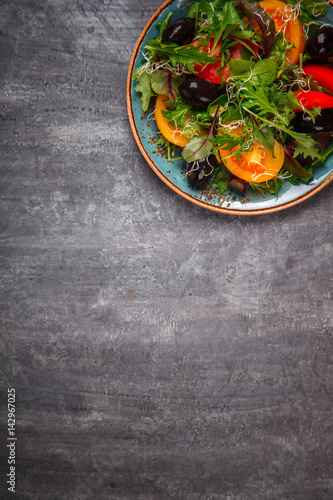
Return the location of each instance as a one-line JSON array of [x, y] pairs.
[[143, 85]]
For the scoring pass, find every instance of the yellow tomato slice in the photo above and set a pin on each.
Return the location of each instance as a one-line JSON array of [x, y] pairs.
[[259, 164], [170, 133], [286, 22]]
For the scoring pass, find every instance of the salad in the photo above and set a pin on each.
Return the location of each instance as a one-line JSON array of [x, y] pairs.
[[242, 91]]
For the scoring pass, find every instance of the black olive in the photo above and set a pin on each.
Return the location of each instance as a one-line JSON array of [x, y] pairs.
[[199, 171], [198, 92], [320, 45], [180, 32], [303, 122]]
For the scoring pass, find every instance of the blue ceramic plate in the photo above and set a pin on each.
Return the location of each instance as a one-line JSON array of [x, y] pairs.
[[173, 173]]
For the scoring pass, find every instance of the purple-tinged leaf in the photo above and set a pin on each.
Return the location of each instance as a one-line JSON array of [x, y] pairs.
[[293, 166], [255, 13], [165, 82]]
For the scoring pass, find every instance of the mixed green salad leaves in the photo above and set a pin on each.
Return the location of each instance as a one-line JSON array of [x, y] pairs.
[[257, 87]]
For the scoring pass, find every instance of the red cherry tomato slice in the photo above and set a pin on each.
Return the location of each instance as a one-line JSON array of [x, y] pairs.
[[212, 72]]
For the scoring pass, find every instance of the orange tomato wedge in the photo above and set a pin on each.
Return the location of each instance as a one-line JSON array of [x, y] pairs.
[[259, 164], [170, 133], [286, 22]]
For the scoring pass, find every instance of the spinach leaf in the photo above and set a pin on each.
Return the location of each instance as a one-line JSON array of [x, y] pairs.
[[262, 72]]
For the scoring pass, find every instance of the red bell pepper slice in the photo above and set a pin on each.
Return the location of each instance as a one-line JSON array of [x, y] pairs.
[[323, 75], [310, 99]]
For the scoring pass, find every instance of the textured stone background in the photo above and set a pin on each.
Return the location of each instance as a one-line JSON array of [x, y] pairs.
[[158, 350]]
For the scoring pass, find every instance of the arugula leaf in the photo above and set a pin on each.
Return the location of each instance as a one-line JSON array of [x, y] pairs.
[[310, 9], [188, 121], [262, 72], [264, 135], [232, 114], [228, 141], [256, 101], [280, 48], [306, 145], [239, 66]]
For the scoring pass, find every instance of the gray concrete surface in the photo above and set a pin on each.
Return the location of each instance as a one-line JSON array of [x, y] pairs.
[[157, 350]]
